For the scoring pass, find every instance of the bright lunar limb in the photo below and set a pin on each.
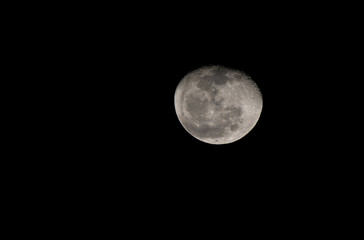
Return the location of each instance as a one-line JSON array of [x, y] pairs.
[[218, 105]]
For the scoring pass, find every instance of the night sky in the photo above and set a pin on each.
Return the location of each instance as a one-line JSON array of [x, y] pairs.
[[120, 135]]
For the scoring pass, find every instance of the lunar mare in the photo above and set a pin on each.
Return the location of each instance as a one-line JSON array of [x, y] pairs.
[[218, 105]]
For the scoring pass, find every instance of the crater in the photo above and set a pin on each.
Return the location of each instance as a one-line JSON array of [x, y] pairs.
[[206, 131], [203, 130], [217, 101], [233, 112], [213, 92], [231, 115], [234, 127], [205, 84], [196, 106], [220, 77]]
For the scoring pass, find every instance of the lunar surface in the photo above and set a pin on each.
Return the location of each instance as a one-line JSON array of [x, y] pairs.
[[218, 105]]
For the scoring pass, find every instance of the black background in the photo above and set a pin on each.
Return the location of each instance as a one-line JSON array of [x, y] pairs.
[[113, 135], [130, 67], [125, 70]]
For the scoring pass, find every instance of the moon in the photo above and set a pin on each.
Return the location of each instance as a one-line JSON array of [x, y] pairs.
[[218, 105]]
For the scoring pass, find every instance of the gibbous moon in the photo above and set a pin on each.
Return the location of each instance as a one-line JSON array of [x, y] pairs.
[[218, 105]]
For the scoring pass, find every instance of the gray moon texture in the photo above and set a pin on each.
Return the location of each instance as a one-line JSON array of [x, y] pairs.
[[218, 105]]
